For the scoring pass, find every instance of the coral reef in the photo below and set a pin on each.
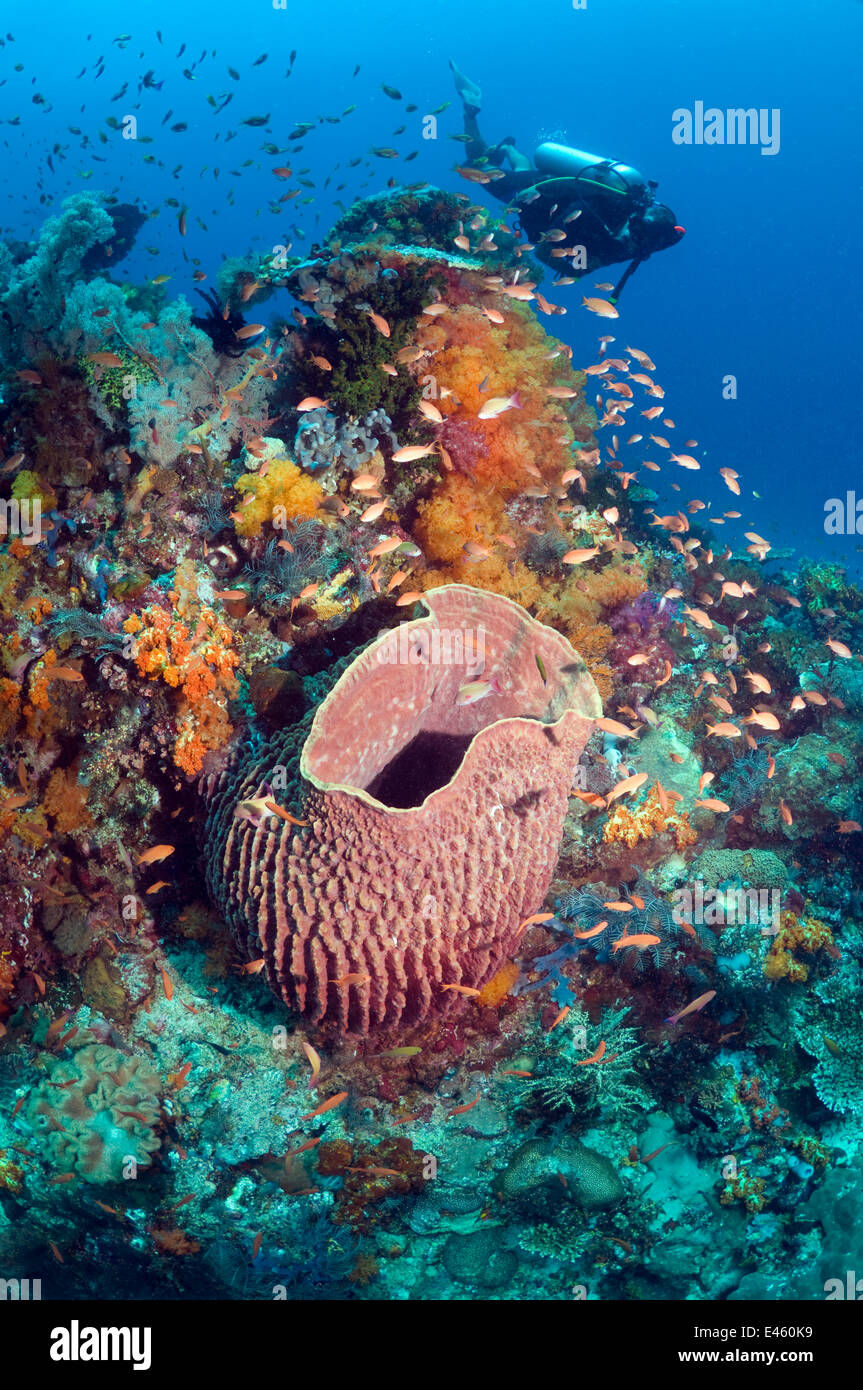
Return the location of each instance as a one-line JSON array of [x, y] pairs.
[[537, 810]]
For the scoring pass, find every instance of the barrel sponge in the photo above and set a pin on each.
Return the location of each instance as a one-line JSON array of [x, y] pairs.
[[433, 822], [107, 1116]]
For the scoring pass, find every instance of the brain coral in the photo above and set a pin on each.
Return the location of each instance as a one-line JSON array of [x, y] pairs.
[[431, 824], [533, 1175], [108, 1115]]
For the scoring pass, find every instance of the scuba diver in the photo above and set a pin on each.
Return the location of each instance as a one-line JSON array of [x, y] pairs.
[[618, 215]]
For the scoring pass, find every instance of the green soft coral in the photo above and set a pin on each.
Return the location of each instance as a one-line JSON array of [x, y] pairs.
[[113, 383]]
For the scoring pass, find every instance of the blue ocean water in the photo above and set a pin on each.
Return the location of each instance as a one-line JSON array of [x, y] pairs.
[[239, 130], [764, 287]]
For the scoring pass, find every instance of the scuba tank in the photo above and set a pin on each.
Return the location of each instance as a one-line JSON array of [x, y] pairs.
[[615, 188]]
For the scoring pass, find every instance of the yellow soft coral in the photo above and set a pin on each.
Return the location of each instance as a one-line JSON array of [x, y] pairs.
[[590, 594], [276, 497]]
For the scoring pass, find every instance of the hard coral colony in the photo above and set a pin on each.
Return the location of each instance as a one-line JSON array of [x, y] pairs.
[[386, 779]]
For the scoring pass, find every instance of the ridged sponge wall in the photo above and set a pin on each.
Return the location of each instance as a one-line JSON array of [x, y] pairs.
[[434, 780]]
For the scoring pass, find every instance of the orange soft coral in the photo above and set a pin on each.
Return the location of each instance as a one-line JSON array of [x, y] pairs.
[[42, 716], [493, 460], [794, 934], [498, 987], [193, 653], [65, 801], [10, 705], [647, 820]]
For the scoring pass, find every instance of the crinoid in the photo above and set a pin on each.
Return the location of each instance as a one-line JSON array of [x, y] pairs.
[[583, 912], [222, 331]]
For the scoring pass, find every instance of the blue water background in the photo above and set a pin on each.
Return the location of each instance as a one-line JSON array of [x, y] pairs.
[[766, 285]]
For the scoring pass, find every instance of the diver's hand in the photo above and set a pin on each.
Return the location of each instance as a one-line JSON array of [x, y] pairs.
[[469, 92]]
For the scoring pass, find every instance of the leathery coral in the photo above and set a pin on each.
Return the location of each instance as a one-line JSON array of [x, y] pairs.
[[97, 1111], [428, 824]]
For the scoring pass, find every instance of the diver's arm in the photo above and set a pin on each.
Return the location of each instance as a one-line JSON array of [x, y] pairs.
[[630, 270]]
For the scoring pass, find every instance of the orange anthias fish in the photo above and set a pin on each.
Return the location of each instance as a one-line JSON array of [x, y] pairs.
[[313, 1056], [694, 1007], [629, 784], [63, 673], [278, 810], [155, 854], [641, 941], [534, 921], [837, 648], [326, 1105], [594, 931], [380, 323], [463, 1109], [613, 726]]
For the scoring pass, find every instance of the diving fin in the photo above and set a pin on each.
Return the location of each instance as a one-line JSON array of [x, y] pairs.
[[469, 92]]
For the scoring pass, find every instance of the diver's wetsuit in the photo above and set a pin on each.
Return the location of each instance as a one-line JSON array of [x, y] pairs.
[[618, 216]]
